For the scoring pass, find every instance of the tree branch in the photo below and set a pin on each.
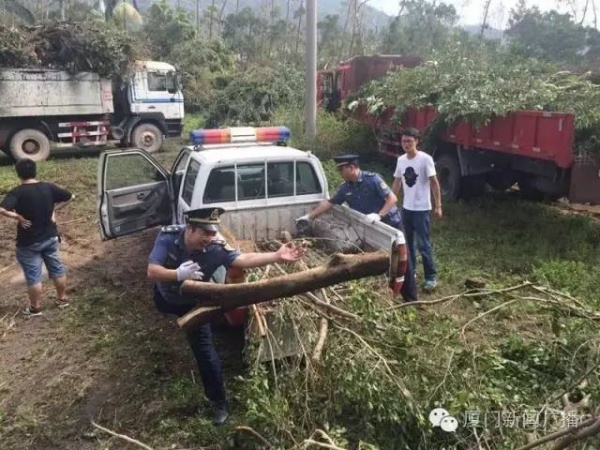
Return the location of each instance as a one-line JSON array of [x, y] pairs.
[[559, 434]]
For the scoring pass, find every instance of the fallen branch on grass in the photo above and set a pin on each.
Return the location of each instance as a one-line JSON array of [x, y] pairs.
[[465, 294], [217, 298], [323, 327], [317, 301], [122, 436], [576, 383], [394, 378], [10, 324], [592, 424], [579, 435], [309, 442], [581, 312], [254, 433]]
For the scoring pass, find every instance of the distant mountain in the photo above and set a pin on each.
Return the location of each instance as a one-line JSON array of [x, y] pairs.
[[373, 18], [489, 33]]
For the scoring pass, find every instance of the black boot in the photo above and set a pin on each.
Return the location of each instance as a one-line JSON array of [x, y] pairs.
[[221, 413]]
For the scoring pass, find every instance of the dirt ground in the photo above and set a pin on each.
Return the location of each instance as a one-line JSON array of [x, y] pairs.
[[109, 357]]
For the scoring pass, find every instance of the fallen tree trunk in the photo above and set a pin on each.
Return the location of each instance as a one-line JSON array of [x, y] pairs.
[[218, 298]]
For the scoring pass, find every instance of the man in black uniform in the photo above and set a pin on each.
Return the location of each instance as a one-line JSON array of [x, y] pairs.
[[192, 252]]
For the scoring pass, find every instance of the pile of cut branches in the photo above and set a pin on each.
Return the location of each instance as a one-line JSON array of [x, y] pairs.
[[371, 369], [479, 87], [74, 47]]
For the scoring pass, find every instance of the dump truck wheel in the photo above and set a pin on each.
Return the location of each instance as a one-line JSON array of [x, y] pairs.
[[501, 180], [448, 173], [30, 143], [472, 187], [148, 137]]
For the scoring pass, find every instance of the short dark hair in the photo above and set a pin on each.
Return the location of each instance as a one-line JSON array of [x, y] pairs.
[[26, 169], [412, 132]]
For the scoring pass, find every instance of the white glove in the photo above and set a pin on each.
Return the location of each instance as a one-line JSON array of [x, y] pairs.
[[305, 217], [189, 270], [373, 217]]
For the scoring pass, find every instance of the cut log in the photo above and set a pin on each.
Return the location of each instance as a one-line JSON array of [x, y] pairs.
[[223, 297]]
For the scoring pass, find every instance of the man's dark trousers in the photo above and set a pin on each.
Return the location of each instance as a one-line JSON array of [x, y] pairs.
[[203, 347]]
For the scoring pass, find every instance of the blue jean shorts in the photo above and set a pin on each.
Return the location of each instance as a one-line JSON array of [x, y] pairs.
[[32, 256]]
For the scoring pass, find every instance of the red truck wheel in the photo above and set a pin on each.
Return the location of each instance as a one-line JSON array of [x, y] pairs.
[[448, 173]]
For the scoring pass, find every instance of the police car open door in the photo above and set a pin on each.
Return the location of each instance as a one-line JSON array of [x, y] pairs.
[[134, 193]]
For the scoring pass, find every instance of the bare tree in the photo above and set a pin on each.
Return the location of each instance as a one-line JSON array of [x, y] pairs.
[[212, 12], [300, 14], [585, 9], [197, 14], [485, 18]]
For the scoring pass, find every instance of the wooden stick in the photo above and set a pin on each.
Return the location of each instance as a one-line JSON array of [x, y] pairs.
[[319, 302], [579, 435], [559, 434], [254, 433], [122, 436], [467, 294], [324, 326], [322, 445], [463, 328], [258, 319], [575, 384], [230, 296]]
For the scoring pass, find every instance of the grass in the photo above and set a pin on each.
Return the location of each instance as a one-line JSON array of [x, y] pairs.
[[115, 359]]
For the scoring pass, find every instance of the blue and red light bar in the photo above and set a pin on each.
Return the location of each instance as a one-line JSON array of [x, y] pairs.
[[239, 134]]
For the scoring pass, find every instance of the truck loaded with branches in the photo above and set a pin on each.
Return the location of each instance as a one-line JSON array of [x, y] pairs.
[[485, 119], [79, 85]]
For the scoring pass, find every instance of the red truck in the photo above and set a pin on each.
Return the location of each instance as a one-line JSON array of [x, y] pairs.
[[531, 148]]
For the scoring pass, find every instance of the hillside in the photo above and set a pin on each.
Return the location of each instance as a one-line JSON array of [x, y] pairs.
[[373, 17], [490, 33]]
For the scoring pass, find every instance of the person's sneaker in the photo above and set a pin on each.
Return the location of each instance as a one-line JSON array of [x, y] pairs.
[[221, 414], [32, 312], [62, 303], [429, 285]]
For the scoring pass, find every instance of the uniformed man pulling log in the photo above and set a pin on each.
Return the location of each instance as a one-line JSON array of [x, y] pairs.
[[193, 252], [368, 193]]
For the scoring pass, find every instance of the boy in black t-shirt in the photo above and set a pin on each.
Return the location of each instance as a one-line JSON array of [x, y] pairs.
[[33, 204]]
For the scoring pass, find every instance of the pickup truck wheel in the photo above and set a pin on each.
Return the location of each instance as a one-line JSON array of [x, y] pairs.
[[148, 137], [448, 172], [30, 143]]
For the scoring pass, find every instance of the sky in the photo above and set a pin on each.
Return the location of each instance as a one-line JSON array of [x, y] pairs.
[[471, 11]]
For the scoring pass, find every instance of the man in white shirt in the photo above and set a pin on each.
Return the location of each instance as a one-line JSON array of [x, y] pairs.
[[415, 177]]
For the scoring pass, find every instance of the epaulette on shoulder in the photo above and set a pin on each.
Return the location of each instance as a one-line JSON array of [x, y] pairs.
[[171, 229], [224, 244], [370, 174]]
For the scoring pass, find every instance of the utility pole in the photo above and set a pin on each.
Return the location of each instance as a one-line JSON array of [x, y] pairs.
[[311, 69]]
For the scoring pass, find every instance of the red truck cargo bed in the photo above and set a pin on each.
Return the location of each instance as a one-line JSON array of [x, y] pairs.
[[534, 134]]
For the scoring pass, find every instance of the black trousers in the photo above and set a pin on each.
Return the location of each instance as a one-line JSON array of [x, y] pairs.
[[201, 341], [409, 288]]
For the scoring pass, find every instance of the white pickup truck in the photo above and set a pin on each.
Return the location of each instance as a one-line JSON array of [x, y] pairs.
[[262, 184]]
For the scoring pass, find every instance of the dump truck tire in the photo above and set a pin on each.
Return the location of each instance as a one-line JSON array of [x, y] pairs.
[[148, 137], [449, 176], [30, 143]]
